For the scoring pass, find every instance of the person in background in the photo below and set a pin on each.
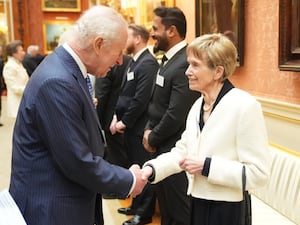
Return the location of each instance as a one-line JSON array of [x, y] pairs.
[[30, 62], [57, 157], [131, 116], [2, 83], [168, 108], [225, 131], [107, 91], [15, 76]]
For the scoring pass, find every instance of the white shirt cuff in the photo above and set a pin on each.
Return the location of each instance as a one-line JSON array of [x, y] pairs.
[[133, 183]]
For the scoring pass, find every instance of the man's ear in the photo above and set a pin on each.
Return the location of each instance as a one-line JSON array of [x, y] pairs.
[[98, 42], [138, 39], [171, 31]]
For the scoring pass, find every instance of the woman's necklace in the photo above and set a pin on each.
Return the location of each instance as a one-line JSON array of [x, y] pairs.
[[208, 108]]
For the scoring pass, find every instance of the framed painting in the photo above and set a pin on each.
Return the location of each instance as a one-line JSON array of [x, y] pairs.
[[222, 16], [61, 5], [52, 31], [289, 35]]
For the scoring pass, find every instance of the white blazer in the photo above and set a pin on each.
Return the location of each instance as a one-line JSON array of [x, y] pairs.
[[16, 78], [233, 136]]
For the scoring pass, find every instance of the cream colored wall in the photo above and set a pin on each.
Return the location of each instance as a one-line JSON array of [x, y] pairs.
[[188, 7], [260, 75]]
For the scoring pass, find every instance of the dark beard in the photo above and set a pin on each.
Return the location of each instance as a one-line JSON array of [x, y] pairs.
[[130, 49], [162, 45]]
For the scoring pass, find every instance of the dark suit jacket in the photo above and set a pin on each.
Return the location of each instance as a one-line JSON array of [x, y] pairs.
[[170, 104], [57, 164], [132, 103], [29, 63], [107, 91]]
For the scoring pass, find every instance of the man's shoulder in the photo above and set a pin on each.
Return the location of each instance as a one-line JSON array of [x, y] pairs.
[[147, 59]]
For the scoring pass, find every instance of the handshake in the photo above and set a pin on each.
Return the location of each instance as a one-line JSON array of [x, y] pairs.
[[141, 178]]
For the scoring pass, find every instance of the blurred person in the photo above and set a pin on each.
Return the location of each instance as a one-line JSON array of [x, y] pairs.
[[107, 91], [131, 116], [57, 164], [2, 83], [225, 131], [168, 108], [15, 76], [30, 62]]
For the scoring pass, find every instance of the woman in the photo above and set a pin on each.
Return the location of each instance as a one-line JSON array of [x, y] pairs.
[[225, 131], [15, 76]]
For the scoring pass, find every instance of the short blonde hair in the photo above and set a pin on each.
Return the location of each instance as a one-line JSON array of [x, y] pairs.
[[216, 50]]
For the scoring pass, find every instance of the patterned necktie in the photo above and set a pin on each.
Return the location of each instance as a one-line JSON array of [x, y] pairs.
[[90, 87]]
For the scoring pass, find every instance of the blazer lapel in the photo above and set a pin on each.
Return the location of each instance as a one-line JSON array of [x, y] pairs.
[[171, 60], [75, 71]]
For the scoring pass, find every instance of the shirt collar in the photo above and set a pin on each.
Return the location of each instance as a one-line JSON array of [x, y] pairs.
[[172, 51], [77, 59], [137, 55]]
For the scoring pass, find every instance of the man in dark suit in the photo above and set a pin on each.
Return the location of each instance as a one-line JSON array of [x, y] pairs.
[[57, 164], [107, 91], [29, 62], [168, 109], [131, 116]]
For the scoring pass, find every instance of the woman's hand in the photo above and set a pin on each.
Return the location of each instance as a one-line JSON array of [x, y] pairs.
[[191, 165]]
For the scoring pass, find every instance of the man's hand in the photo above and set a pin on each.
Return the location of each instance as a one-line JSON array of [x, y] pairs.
[[95, 100], [146, 144], [112, 126], [140, 180], [120, 127]]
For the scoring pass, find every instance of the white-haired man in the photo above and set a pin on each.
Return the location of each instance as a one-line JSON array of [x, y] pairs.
[[57, 165]]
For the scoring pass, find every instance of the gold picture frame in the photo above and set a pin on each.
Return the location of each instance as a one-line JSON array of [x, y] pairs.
[[61, 5], [52, 30]]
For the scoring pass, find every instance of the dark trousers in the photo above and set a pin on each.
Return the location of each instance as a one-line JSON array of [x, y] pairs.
[[0, 102], [208, 212], [115, 152], [145, 202], [98, 210], [174, 203]]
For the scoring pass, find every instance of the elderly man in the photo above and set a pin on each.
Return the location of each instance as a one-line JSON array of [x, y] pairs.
[[57, 164]]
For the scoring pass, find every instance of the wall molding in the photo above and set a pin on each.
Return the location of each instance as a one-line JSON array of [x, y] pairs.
[[283, 124], [289, 151]]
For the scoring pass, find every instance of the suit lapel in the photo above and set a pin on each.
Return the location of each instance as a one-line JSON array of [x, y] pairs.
[[75, 71], [171, 60]]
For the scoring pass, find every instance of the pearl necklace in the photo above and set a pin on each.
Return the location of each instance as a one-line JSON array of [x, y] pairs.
[[208, 108]]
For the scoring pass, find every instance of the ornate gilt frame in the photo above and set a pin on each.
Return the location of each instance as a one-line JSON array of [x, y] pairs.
[[61, 5], [52, 30], [289, 35]]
